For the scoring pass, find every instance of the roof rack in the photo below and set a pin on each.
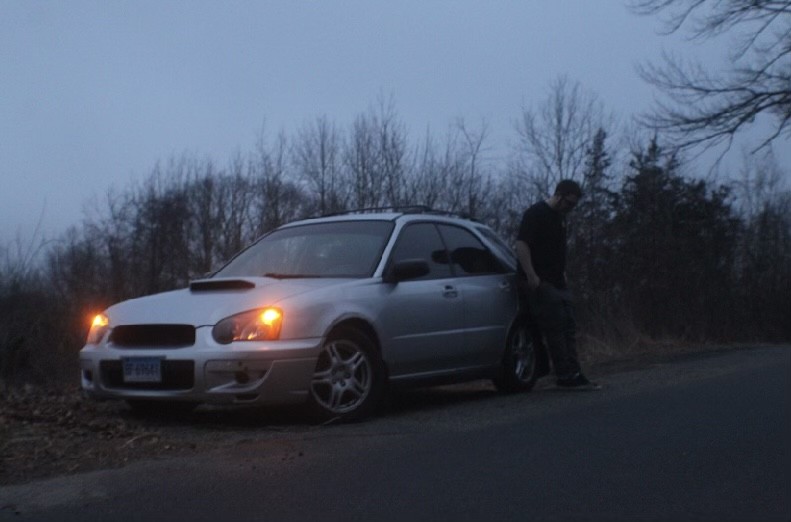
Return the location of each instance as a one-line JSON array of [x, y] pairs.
[[404, 209]]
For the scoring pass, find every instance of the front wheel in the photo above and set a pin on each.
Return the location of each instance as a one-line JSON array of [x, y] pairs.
[[518, 370], [349, 377]]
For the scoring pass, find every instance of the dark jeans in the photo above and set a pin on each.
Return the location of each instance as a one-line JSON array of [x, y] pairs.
[[553, 312]]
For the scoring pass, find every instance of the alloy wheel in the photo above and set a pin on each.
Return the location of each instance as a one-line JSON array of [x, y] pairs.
[[522, 353], [343, 377]]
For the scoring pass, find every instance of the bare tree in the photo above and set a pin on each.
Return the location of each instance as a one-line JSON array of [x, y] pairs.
[[116, 231], [426, 183], [707, 108], [316, 157], [762, 181], [361, 158], [204, 189], [470, 186], [161, 222], [234, 209], [376, 157], [553, 139], [392, 153], [764, 257]]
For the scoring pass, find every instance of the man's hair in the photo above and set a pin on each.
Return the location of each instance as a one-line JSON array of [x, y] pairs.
[[568, 187]]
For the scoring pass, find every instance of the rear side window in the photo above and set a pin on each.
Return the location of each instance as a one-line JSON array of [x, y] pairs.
[[506, 252], [422, 241], [467, 254]]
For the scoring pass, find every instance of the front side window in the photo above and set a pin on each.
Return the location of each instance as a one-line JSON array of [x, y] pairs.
[[332, 249], [422, 241]]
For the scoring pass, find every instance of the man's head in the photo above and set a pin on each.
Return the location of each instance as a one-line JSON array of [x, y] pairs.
[[567, 195]]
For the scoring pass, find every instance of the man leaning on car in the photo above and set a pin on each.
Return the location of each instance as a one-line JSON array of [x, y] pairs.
[[541, 250]]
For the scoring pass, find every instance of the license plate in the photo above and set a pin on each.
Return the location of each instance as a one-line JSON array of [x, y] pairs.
[[142, 369]]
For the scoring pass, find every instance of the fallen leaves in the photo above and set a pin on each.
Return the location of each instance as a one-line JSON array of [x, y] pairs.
[[46, 433]]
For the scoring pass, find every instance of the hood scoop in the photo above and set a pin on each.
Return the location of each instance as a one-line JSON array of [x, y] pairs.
[[218, 285]]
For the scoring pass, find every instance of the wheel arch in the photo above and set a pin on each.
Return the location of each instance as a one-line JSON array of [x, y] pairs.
[[360, 324]]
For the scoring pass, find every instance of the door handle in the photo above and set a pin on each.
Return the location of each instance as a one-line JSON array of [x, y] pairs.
[[450, 291], [505, 286]]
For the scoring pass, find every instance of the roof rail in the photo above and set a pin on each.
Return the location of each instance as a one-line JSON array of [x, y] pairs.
[[404, 209]]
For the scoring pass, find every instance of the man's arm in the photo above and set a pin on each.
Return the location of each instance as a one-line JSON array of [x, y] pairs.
[[523, 255]]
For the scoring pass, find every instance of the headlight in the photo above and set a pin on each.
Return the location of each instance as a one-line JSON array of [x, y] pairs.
[[256, 325], [99, 327]]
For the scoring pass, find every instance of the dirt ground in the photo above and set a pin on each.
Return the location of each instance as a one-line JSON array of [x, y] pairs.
[[46, 434]]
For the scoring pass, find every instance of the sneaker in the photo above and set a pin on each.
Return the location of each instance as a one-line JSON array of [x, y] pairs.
[[578, 382]]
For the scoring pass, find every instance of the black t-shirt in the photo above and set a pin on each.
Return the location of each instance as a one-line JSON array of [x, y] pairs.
[[544, 231]]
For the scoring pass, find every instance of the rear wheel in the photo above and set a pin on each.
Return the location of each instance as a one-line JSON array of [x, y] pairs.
[[349, 377], [518, 370]]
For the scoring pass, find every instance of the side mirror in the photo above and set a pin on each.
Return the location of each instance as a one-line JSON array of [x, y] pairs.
[[405, 270]]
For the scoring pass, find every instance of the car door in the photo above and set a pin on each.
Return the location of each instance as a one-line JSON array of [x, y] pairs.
[[490, 295], [422, 320]]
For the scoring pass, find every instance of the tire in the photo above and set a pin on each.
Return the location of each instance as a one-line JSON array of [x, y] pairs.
[[349, 377], [519, 368]]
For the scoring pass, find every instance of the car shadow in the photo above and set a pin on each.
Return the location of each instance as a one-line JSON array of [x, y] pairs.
[[412, 400], [397, 402], [219, 418]]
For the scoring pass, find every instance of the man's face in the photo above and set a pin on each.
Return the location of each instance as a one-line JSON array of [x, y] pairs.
[[567, 202]]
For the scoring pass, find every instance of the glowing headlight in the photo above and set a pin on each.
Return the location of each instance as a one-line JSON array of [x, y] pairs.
[[99, 327], [255, 325]]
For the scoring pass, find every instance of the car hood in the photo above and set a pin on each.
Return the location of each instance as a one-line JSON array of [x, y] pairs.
[[218, 299]]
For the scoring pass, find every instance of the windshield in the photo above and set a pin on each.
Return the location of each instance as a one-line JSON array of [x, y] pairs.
[[333, 249]]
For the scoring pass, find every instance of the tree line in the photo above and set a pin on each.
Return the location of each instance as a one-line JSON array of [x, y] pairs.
[[656, 252]]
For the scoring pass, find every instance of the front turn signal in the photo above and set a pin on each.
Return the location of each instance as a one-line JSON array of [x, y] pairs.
[[99, 326]]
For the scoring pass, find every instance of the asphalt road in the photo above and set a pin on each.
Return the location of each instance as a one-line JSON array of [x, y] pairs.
[[701, 438]]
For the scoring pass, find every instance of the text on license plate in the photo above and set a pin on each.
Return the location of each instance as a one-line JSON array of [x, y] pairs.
[[142, 369]]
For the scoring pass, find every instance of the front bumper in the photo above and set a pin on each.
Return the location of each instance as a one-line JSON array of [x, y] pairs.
[[277, 372]]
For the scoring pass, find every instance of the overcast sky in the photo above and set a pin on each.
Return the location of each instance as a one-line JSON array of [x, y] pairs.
[[94, 93]]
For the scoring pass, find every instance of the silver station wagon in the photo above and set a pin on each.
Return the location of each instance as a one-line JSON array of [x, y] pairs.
[[326, 312]]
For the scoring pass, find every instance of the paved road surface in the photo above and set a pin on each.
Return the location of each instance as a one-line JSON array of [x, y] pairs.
[[703, 438]]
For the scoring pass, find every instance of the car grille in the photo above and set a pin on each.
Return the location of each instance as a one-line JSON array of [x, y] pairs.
[[176, 375], [153, 336]]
